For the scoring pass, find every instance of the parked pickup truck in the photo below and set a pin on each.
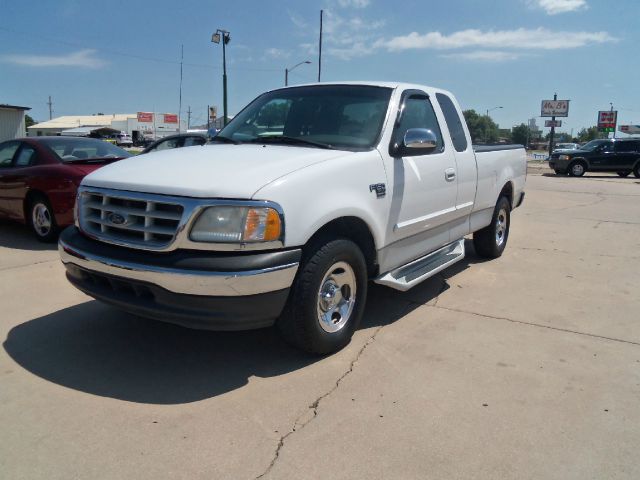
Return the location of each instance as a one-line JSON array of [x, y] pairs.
[[306, 195]]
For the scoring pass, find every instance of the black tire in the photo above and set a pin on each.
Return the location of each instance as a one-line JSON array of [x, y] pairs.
[[624, 173], [300, 322], [636, 171], [491, 241], [41, 219], [577, 169]]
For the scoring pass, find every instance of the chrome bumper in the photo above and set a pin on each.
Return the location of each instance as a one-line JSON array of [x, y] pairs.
[[191, 282]]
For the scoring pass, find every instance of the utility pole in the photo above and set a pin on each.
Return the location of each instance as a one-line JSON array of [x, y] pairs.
[[320, 48], [180, 101], [189, 117], [553, 129], [50, 108]]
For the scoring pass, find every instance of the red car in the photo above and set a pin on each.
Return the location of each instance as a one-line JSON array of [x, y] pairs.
[[39, 178]]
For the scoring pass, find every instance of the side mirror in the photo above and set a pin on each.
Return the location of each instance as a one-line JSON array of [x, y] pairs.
[[420, 139], [416, 141]]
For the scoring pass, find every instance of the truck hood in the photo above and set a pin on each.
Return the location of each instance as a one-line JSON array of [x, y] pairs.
[[210, 171]]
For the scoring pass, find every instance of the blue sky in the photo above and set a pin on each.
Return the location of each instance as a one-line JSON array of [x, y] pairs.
[[124, 56]]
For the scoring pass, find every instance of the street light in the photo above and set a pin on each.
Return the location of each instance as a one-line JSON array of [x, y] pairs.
[[287, 70], [225, 37], [492, 109]]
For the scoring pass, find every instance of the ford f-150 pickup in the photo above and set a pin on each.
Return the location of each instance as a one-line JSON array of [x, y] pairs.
[[308, 194]]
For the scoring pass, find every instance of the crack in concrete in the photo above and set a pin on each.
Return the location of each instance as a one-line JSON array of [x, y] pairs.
[[565, 252], [13, 267], [299, 422], [539, 325]]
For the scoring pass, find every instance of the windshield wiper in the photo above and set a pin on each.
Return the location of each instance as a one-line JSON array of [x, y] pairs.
[[220, 138], [289, 140]]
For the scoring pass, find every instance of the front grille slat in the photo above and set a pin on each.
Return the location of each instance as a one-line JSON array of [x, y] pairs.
[[119, 219]]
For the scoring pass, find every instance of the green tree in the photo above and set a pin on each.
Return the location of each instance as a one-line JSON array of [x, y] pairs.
[[520, 134], [28, 121], [481, 127], [587, 134]]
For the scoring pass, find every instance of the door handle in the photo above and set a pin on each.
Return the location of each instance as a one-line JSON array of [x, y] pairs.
[[450, 174]]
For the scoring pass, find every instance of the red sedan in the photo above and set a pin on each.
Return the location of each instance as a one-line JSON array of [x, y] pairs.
[[39, 178]]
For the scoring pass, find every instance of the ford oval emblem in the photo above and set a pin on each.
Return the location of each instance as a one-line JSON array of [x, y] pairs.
[[116, 219]]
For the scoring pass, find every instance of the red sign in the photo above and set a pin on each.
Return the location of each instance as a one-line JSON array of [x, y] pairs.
[[607, 119], [170, 118], [145, 117]]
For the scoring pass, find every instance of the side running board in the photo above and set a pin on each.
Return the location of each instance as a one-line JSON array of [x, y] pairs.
[[409, 275]]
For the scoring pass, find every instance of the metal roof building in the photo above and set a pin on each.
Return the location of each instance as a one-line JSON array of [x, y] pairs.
[[57, 125], [12, 121]]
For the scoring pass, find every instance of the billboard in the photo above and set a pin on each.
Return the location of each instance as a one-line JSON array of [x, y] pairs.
[[630, 129], [555, 108], [145, 117], [553, 123], [170, 118]]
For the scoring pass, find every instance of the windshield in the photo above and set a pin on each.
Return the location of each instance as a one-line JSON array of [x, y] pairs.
[[328, 116], [593, 144], [75, 149]]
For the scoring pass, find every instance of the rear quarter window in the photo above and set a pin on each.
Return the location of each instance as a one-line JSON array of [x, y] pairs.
[[454, 123]]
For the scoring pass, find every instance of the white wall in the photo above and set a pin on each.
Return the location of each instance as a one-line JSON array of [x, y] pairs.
[[11, 124]]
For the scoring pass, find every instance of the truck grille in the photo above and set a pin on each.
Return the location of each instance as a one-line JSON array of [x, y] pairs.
[[149, 223]]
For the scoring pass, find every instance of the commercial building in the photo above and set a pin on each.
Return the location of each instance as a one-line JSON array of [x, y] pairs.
[[135, 124], [12, 122]]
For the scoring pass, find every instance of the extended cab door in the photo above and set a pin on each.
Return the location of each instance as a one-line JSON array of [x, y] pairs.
[[424, 186]]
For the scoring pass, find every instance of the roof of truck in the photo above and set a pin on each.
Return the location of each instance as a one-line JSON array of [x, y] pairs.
[[394, 85]]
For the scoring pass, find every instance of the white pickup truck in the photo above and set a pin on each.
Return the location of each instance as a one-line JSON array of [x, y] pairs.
[[308, 194]]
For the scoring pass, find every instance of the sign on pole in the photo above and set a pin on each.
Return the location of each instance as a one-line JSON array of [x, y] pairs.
[[553, 123], [607, 120], [170, 118], [555, 108]]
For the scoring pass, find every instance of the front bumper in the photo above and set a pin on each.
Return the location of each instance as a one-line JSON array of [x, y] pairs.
[[198, 289]]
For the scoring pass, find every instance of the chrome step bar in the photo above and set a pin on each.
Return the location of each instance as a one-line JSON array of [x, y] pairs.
[[409, 275]]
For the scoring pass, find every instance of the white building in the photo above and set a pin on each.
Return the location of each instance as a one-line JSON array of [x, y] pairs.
[[141, 123], [12, 122]]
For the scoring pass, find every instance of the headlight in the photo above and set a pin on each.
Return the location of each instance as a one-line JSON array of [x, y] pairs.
[[564, 157], [233, 224]]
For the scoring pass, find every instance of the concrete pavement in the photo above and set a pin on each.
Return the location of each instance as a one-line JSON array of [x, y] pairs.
[[523, 367]]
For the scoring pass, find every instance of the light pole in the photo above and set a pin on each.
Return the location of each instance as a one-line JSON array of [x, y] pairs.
[[486, 133], [287, 70], [225, 37], [492, 109]]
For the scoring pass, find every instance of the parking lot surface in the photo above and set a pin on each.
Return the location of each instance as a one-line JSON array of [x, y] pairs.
[[523, 367]]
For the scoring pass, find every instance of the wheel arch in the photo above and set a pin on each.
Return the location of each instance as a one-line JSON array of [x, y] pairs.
[[352, 228], [508, 192]]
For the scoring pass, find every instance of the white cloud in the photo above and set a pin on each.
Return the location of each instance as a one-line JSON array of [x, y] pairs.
[[554, 7], [483, 56], [354, 3], [297, 20], [532, 39], [82, 58], [277, 53]]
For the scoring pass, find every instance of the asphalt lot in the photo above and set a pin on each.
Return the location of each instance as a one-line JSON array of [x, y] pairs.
[[523, 367]]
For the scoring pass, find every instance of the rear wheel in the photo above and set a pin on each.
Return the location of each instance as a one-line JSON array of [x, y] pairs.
[[624, 173], [327, 298], [41, 219], [491, 241], [577, 169]]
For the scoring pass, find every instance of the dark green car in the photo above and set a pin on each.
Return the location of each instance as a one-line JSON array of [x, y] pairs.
[[621, 156]]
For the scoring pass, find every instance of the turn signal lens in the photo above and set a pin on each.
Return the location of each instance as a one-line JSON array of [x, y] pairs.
[[262, 225], [564, 157]]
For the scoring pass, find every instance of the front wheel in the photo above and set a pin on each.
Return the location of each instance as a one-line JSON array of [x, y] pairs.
[[636, 171], [42, 221], [327, 298], [577, 169], [491, 241]]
